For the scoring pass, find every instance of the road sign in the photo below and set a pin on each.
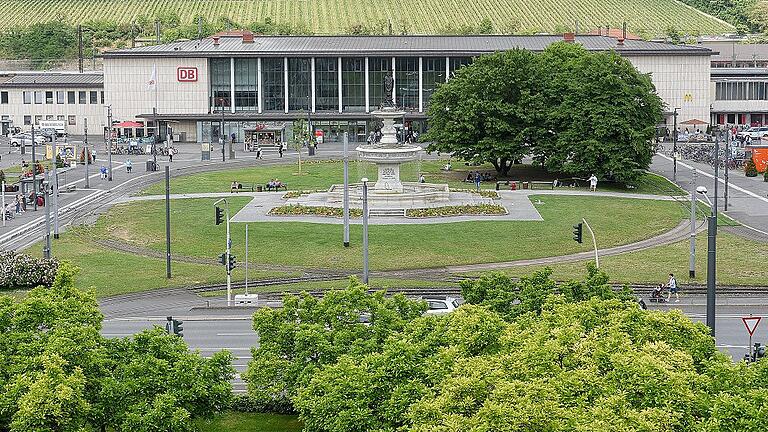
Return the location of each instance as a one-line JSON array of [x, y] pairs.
[[751, 324]]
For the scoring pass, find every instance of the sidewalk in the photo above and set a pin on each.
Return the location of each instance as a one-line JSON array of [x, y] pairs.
[[747, 196]]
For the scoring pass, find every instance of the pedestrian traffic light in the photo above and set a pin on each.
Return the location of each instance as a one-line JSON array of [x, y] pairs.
[[223, 259], [178, 328], [759, 352], [577, 232], [219, 216], [232, 263]]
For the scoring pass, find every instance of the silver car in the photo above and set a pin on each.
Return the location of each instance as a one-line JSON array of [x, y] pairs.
[[26, 139]]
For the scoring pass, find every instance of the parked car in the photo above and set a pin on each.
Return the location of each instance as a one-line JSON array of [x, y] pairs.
[[439, 306], [26, 139], [753, 133]]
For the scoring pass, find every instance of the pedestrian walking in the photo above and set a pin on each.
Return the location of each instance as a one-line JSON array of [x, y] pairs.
[[280, 150], [593, 183], [103, 171], [128, 165], [258, 151], [170, 155], [93, 155], [672, 284], [478, 180], [18, 203]]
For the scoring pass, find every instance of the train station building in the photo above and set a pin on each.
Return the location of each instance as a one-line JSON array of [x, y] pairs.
[[240, 83]]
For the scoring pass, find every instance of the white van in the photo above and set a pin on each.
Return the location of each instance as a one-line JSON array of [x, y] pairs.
[[60, 126]]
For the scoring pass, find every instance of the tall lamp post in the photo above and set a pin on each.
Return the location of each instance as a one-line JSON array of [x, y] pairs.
[[365, 229], [711, 256], [674, 146]]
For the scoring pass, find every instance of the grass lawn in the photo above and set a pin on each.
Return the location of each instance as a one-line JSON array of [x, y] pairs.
[[110, 272], [615, 220], [322, 174], [739, 262], [251, 422]]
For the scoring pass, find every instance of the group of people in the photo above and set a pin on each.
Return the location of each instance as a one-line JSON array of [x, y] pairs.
[[274, 184], [21, 204]]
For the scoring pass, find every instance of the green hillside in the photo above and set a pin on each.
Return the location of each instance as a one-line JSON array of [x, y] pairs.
[[645, 17]]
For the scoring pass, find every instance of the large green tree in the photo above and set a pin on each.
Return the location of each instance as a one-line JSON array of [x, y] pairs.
[[57, 373], [489, 111], [601, 114]]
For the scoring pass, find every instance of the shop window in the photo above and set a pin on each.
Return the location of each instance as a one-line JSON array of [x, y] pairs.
[[71, 120], [38, 119], [27, 120]]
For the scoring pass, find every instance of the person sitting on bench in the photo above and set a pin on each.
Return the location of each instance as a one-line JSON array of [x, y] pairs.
[[235, 187]]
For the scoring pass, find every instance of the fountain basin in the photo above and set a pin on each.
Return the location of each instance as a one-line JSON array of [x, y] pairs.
[[388, 161]]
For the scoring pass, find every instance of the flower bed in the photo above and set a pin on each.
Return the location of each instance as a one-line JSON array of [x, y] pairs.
[[23, 271], [296, 194], [300, 210], [485, 193], [476, 209]]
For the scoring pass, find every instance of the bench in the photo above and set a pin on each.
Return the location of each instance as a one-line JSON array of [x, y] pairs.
[[269, 188], [542, 185], [241, 188]]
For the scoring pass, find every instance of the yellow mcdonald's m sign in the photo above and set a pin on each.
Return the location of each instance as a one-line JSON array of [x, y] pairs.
[[688, 97]]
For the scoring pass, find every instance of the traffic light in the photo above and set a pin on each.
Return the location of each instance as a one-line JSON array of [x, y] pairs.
[[178, 329], [759, 352], [223, 259], [232, 263], [219, 215], [577, 232]]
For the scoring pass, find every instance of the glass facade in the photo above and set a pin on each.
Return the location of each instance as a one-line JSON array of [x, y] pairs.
[[407, 82], [246, 84], [272, 84], [326, 84], [221, 96], [243, 83], [745, 90], [299, 82], [353, 84], [378, 67], [433, 74]]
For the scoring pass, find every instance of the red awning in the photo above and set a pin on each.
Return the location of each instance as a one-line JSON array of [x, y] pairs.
[[128, 124]]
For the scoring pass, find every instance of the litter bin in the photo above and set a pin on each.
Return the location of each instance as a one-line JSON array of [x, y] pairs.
[[525, 185], [259, 188]]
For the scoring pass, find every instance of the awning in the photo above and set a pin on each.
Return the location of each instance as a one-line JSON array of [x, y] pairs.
[[128, 124], [694, 122]]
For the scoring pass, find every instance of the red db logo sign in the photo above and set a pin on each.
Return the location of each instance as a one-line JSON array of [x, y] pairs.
[[186, 74]]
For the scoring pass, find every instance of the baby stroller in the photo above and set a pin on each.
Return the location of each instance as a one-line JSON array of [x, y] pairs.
[[657, 295]]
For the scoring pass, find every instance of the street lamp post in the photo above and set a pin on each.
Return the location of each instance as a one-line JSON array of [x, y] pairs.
[[34, 167], [109, 141], [692, 258], [711, 257], [365, 229], [346, 189], [674, 147], [87, 158], [727, 162]]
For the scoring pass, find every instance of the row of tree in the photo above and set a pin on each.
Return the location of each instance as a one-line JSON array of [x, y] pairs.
[[576, 112], [57, 373], [519, 356]]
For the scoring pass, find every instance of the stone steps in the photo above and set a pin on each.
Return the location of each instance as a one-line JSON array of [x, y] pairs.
[[386, 212]]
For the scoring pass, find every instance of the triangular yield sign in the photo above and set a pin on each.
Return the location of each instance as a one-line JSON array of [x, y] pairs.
[[751, 324]]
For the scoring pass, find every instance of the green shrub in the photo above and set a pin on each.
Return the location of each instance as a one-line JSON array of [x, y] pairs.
[[23, 271], [750, 170]]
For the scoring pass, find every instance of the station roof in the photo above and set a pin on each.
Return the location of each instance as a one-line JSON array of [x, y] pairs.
[[735, 50], [738, 73], [51, 80], [319, 46]]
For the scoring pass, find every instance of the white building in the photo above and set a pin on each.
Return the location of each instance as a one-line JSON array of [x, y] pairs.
[[26, 98], [246, 82]]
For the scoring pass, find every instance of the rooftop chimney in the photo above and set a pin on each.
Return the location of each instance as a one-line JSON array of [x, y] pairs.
[[215, 41], [569, 37], [620, 42], [247, 37]]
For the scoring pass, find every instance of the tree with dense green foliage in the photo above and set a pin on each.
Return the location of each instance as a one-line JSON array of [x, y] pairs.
[[308, 333], [583, 358], [44, 44], [577, 112], [57, 373], [489, 111]]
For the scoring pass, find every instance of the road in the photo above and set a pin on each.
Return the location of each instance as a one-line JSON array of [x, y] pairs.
[[216, 329]]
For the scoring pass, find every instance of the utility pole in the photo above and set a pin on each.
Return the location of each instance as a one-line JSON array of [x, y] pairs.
[[167, 222], [692, 258], [246, 259], [157, 134], [3, 197], [365, 230], [87, 157], [47, 247], [346, 189], [34, 168], [222, 140], [109, 141], [55, 188], [674, 147], [199, 27], [80, 48], [594, 242], [157, 32], [727, 162], [226, 257]]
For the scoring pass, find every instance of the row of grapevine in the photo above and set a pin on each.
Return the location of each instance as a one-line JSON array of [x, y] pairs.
[[423, 16]]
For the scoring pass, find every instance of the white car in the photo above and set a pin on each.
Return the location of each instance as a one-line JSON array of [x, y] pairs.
[[439, 306], [755, 132], [26, 139]]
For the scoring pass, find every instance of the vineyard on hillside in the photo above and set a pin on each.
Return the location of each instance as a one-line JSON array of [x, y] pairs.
[[645, 17]]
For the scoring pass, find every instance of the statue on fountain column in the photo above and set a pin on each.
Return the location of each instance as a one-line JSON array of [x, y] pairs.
[[389, 85]]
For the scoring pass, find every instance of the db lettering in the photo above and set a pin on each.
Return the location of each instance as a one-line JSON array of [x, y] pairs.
[[186, 74]]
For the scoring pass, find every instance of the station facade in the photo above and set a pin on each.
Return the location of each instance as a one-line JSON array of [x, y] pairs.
[[230, 84]]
